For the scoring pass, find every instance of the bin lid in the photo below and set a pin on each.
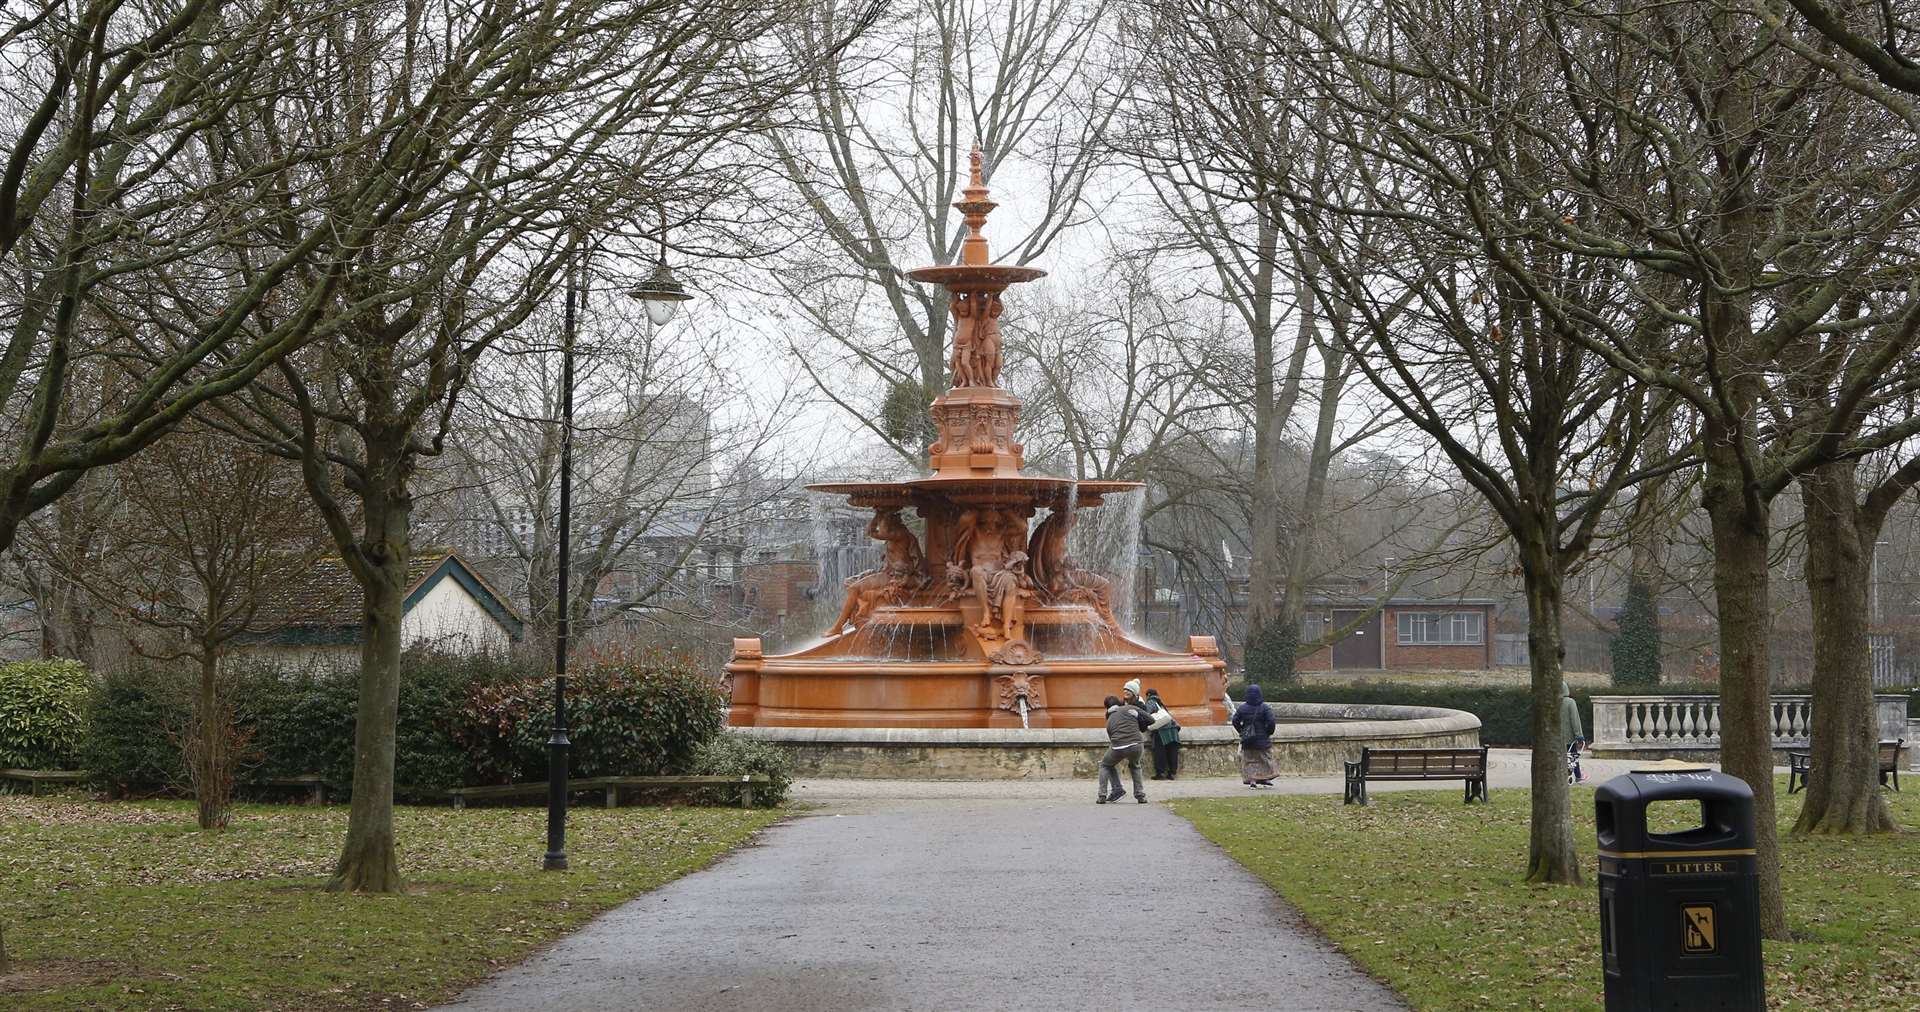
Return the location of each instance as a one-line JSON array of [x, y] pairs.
[[1725, 813]]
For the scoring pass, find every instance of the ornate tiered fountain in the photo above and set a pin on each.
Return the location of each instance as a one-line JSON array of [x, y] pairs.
[[990, 622]]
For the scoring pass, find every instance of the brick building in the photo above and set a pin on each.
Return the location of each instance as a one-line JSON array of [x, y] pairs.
[[1450, 634]]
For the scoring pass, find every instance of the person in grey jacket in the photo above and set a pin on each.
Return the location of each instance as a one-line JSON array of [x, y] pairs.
[[1126, 740]]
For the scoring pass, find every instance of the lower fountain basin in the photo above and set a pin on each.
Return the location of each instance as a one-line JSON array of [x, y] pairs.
[[1312, 739]]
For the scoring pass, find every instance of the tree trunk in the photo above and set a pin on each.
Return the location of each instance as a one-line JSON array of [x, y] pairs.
[[1741, 531], [210, 739], [1550, 851], [1843, 791], [1319, 461], [369, 863]]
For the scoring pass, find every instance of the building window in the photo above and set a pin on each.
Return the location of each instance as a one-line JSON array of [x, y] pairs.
[[1442, 628]]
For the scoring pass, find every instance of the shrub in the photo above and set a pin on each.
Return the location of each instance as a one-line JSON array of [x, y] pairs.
[[1636, 644], [43, 707], [128, 742], [629, 715], [737, 755], [303, 719]]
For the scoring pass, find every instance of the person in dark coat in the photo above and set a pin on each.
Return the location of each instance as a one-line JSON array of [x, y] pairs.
[[1254, 720], [1164, 738]]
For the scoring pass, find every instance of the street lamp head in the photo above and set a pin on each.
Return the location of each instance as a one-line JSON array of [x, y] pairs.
[[662, 293]]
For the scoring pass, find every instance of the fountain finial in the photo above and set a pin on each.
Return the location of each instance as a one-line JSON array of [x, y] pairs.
[[974, 204]]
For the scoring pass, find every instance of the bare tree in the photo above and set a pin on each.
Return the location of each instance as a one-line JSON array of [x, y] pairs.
[[659, 446], [196, 569], [1211, 125], [124, 193], [875, 152], [1731, 198], [1471, 332], [536, 135]]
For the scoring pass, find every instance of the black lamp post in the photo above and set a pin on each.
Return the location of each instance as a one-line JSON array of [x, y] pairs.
[[662, 295]]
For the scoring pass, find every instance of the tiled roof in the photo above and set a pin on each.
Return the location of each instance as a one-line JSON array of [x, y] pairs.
[[327, 595]]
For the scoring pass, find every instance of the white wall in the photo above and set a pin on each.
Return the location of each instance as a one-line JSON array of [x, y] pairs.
[[451, 618]]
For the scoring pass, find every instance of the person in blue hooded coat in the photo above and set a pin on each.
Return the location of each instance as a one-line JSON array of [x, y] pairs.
[[1254, 720]]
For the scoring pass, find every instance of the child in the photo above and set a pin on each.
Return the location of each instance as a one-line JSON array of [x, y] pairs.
[[1125, 741]]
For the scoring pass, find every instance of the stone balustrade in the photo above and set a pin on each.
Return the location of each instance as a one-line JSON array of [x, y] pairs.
[[1653, 724]]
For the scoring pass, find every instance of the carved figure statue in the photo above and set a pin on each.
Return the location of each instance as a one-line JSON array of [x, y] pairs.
[[1063, 579], [901, 572], [986, 342], [964, 308], [989, 562]]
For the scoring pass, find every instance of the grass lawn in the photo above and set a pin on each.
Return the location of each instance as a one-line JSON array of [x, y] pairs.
[[1424, 893], [130, 906]]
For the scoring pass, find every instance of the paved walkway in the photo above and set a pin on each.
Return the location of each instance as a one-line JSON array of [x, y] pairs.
[[1004, 895], [952, 905]]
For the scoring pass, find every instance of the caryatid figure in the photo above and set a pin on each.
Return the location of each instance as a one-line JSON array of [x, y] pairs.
[[964, 308], [986, 341]]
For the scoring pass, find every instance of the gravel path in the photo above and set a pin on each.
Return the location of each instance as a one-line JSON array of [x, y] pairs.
[[951, 905]]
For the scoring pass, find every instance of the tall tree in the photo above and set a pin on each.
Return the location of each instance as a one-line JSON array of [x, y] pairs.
[[1211, 125], [534, 135], [124, 196], [877, 149], [1480, 337], [1733, 196]]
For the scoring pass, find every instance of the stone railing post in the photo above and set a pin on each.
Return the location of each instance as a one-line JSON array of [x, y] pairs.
[[1690, 722], [1892, 711], [1609, 721]]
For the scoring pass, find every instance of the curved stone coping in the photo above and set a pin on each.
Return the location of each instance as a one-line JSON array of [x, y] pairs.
[[1333, 722]]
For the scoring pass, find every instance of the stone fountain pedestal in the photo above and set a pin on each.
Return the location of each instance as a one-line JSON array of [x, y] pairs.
[[980, 617]]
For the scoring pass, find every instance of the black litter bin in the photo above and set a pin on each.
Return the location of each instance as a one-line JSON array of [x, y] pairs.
[[1679, 908]]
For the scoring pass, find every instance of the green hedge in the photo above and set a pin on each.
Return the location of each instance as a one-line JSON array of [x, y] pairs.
[[1505, 712], [131, 723], [629, 715], [463, 721], [43, 707]]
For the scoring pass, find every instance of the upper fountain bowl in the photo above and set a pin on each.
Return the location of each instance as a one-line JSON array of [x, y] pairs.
[[976, 274]]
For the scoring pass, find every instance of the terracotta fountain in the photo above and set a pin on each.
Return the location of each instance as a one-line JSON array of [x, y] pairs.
[[990, 622]]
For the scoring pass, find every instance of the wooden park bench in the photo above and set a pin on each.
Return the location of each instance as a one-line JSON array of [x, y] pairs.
[[1469, 764], [747, 784], [1799, 764], [36, 778], [313, 783]]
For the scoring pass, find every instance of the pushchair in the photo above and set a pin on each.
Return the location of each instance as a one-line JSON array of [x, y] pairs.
[[1574, 773]]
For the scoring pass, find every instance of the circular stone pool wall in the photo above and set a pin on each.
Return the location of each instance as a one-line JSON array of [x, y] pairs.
[[1312, 739]]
